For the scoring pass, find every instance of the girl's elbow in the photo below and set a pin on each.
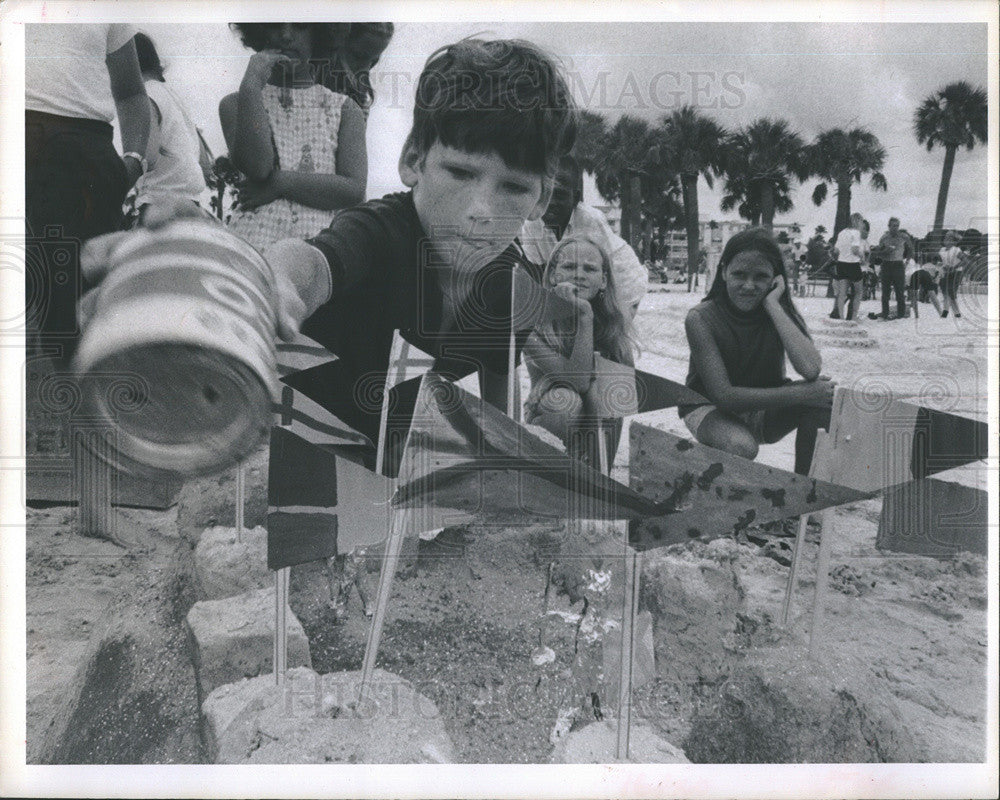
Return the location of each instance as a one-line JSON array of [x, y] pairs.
[[811, 373]]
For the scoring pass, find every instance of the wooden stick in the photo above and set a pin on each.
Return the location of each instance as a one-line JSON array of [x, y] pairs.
[[393, 546], [629, 611], [280, 659], [397, 526], [793, 570], [511, 370], [241, 490], [826, 526], [822, 578], [819, 468]]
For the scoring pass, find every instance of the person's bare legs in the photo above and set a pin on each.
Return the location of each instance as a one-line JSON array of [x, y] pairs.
[[839, 295], [855, 303], [724, 432], [559, 410]]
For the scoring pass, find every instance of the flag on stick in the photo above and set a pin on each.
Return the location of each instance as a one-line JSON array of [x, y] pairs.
[[713, 493], [464, 457], [620, 391], [319, 503], [881, 444]]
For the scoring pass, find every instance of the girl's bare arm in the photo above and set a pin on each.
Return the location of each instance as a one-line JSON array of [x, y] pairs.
[[718, 388], [325, 190]]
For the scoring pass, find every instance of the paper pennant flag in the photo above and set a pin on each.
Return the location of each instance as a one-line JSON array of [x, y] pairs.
[[300, 354], [714, 493], [464, 456], [883, 443], [620, 391], [320, 504]]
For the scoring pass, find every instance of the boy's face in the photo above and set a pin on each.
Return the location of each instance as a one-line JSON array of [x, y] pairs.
[[471, 205]]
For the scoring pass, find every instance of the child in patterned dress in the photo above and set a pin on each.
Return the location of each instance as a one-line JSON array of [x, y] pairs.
[[301, 145]]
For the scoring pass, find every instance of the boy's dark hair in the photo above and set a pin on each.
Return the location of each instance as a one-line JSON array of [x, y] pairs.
[[757, 240], [507, 96], [149, 59]]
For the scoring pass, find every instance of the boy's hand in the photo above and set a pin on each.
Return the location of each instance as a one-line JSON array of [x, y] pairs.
[[302, 283]]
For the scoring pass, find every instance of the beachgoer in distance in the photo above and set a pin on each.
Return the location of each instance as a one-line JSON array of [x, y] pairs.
[[895, 247], [739, 336], [561, 357], [848, 250], [301, 146], [922, 282], [953, 260]]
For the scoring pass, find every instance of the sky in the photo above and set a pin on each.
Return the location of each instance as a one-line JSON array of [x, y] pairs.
[[816, 76]]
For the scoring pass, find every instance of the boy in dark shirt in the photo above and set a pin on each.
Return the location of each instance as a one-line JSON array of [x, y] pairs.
[[490, 123]]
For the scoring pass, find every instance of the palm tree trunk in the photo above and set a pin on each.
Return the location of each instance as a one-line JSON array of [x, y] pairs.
[[635, 205], [625, 200], [843, 205], [689, 185], [767, 206], [942, 200]]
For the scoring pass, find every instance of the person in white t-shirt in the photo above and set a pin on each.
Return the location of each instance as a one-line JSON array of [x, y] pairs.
[[848, 250], [953, 260], [183, 161], [76, 79]]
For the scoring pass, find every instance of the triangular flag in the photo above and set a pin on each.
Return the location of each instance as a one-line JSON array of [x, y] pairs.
[[714, 493], [464, 455], [300, 354], [878, 444], [620, 391], [320, 504]]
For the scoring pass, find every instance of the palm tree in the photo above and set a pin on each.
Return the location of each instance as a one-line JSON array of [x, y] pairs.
[[690, 144], [952, 117], [591, 135], [619, 164], [843, 158], [759, 162], [743, 195]]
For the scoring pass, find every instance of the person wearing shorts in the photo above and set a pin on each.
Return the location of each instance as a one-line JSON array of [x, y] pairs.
[[847, 269]]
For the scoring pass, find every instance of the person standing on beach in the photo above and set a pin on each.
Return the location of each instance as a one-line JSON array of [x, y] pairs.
[[848, 250], [953, 260], [895, 247]]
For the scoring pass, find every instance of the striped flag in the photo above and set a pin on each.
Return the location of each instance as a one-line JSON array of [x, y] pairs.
[[713, 493], [463, 458], [320, 504], [878, 444]]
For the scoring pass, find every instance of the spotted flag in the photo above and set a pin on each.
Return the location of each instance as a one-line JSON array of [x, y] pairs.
[[711, 493]]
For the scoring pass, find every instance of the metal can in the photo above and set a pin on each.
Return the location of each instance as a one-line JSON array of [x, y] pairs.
[[178, 355]]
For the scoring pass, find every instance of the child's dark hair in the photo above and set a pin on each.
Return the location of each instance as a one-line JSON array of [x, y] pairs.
[[328, 48], [506, 96], [758, 240], [363, 48], [149, 59]]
